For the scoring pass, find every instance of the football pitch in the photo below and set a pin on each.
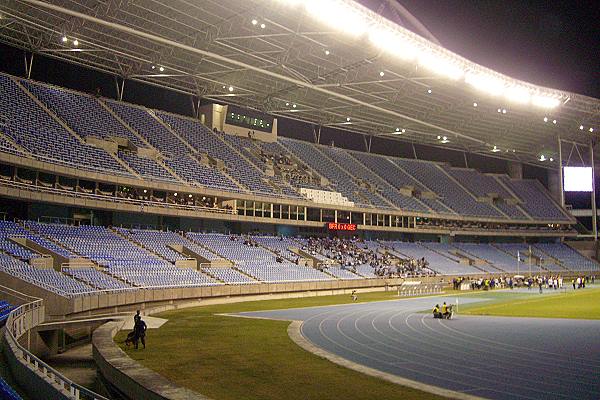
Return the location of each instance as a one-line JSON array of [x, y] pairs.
[[475, 354]]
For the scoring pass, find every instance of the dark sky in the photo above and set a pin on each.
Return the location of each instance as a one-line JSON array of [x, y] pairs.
[[550, 43]]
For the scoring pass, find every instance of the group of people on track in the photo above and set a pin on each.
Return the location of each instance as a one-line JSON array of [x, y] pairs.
[[445, 312]]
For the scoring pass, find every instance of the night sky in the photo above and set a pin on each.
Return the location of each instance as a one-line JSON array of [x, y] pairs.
[[549, 43]]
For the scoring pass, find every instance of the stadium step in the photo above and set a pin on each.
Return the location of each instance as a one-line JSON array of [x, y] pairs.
[[138, 244]]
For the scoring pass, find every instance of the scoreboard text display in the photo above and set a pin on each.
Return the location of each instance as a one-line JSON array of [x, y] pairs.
[[336, 226]]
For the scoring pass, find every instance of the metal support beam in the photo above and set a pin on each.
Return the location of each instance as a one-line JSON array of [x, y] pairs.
[[594, 212], [368, 142], [120, 87], [28, 65], [317, 133], [560, 173], [466, 160]]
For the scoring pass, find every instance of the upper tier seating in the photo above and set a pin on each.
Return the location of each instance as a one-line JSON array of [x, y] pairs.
[[83, 113], [536, 200], [206, 141], [179, 156], [389, 171], [242, 144], [182, 142], [30, 126], [454, 196], [482, 185], [96, 278], [338, 178]]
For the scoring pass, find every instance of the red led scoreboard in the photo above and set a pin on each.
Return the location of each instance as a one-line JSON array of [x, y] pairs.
[[336, 226]]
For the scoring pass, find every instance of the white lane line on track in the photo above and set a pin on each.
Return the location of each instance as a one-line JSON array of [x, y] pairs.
[[457, 358], [437, 361], [494, 342], [429, 367]]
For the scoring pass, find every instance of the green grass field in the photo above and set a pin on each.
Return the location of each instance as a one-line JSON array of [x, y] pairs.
[[238, 358], [579, 304]]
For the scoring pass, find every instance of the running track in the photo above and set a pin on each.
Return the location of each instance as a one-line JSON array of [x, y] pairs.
[[492, 357]]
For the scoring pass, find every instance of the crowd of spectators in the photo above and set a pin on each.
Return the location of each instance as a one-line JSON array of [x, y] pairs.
[[351, 253]]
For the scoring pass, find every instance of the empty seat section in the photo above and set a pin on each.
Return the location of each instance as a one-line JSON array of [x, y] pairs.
[[48, 279], [399, 179], [497, 258], [83, 113], [229, 275], [482, 185], [536, 200], [437, 262], [31, 127], [206, 141], [452, 195], [568, 257], [146, 167], [96, 278], [343, 273]]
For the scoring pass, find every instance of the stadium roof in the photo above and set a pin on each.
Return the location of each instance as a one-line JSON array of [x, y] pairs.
[[329, 62]]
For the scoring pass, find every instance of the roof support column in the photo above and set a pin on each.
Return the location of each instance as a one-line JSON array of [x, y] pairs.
[[368, 142], [594, 211], [120, 87], [28, 64], [316, 133]]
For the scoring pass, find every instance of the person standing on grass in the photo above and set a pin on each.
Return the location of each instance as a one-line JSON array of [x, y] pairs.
[[140, 332]]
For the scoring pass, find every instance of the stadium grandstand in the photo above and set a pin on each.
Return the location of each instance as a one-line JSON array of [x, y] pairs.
[[324, 154]]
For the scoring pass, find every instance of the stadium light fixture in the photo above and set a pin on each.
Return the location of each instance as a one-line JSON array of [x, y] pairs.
[[445, 140], [542, 158], [327, 52], [294, 106], [486, 83], [554, 121], [545, 119], [145, 191], [162, 69], [518, 94], [545, 101], [392, 43], [381, 74], [504, 111], [499, 110], [262, 26], [340, 15], [580, 127], [403, 130], [591, 130], [254, 22], [230, 88], [190, 196], [287, 104], [429, 91], [495, 149], [475, 104], [65, 39], [347, 119], [153, 67], [175, 194], [551, 159], [440, 65], [75, 42], [397, 129]]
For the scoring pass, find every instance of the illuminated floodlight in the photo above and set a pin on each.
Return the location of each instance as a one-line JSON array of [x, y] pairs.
[[486, 83], [392, 43], [65, 39], [591, 130], [545, 101], [580, 127], [495, 149], [230, 88], [382, 74], [542, 158], [429, 91], [287, 104], [499, 110], [254, 22], [551, 159], [439, 137], [397, 129], [554, 121], [518, 94], [347, 119], [175, 194], [339, 15], [293, 105], [75, 42], [545, 119], [262, 26], [327, 52], [475, 104], [504, 111], [440, 65], [162, 69], [403, 130]]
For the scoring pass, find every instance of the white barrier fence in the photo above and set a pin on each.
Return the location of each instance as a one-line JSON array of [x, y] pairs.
[[19, 323], [416, 288]]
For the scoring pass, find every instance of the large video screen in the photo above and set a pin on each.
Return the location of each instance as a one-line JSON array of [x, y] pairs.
[[577, 179]]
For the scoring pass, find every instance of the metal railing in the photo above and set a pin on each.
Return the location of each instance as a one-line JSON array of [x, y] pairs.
[[20, 321], [114, 199]]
